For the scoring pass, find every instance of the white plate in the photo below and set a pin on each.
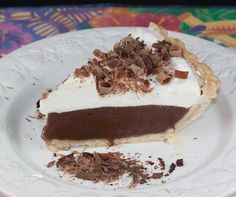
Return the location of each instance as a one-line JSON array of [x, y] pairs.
[[210, 160]]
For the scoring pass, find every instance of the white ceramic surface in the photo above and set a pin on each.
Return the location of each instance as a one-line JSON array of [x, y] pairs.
[[210, 160]]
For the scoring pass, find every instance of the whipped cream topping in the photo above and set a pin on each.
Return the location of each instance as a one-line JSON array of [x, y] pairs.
[[149, 36], [76, 93]]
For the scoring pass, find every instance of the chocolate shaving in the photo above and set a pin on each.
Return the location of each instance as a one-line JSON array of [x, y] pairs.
[[109, 167], [157, 175], [142, 181], [28, 119], [39, 115], [84, 71], [162, 163], [97, 71], [181, 74], [165, 76], [128, 62], [136, 70], [179, 162], [172, 168], [104, 87], [150, 163], [98, 53], [50, 164], [161, 44], [106, 167], [114, 62]]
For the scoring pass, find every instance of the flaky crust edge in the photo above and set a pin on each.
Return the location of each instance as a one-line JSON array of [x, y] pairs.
[[210, 85]]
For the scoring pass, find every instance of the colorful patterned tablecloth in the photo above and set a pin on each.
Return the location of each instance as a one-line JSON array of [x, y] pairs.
[[20, 26]]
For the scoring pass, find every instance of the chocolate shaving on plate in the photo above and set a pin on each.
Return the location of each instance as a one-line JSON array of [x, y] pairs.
[[179, 162], [109, 167], [162, 163], [157, 175], [172, 168], [106, 167], [50, 164]]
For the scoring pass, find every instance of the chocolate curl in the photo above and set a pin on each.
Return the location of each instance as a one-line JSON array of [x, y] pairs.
[[97, 53], [175, 51], [181, 74], [143, 53], [114, 62], [124, 42], [145, 87], [159, 69], [163, 63], [160, 45], [100, 59], [139, 61], [165, 76], [127, 39], [165, 55], [104, 87], [97, 71], [136, 70], [84, 71]]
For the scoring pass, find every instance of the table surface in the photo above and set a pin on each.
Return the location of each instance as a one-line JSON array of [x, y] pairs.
[[21, 26]]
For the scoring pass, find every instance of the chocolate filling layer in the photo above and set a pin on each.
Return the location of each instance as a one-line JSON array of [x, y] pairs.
[[111, 122]]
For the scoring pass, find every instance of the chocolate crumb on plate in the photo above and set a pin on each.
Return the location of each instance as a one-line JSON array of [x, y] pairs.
[[150, 163], [162, 163], [105, 167], [142, 181], [109, 167], [157, 175], [172, 168], [50, 164], [28, 119], [179, 162]]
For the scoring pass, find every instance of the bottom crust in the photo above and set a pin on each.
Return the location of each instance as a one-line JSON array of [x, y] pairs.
[[194, 112]]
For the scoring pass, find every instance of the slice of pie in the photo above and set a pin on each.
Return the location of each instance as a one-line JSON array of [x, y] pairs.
[[146, 87]]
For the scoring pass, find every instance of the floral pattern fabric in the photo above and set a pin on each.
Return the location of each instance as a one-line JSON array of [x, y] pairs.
[[20, 26]]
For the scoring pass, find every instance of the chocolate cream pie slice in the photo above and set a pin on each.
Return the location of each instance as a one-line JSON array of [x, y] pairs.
[[145, 88]]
